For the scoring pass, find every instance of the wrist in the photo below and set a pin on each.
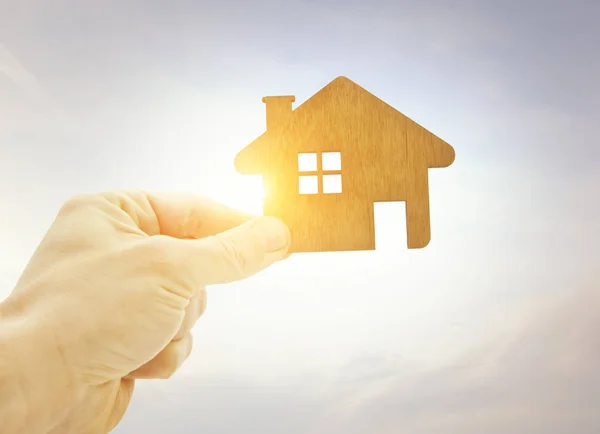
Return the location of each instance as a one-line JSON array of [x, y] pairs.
[[36, 391]]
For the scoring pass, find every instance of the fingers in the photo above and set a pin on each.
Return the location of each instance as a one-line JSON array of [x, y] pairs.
[[178, 215], [192, 216], [121, 403], [234, 254], [167, 362], [193, 312]]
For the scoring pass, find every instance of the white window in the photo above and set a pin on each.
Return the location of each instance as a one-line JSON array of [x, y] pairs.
[[320, 173]]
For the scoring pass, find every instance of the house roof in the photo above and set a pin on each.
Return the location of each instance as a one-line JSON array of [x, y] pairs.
[[250, 160]]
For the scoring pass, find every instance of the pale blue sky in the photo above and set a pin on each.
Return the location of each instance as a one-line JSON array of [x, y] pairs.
[[161, 95]]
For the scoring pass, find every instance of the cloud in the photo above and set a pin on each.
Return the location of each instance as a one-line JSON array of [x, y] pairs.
[[220, 405], [541, 377], [25, 104], [12, 68]]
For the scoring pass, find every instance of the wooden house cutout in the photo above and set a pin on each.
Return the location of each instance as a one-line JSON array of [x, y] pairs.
[[327, 162]]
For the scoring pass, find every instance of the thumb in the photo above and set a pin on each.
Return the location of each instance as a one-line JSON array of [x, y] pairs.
[[236, 253]]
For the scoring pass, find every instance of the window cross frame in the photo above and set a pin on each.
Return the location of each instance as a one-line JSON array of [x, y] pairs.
[[320, 173]]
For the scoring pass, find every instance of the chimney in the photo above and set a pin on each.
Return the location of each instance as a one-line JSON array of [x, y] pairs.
[[279, 109]]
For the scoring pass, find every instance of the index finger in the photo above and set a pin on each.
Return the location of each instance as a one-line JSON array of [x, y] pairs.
[[181, 215]]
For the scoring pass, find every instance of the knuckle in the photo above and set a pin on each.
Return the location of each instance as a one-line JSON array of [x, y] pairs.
[[161, 370], [88, 199], [167, 371], [193, 311], [159, 248], [202, 304], [174, 356], [160, 255], [77, 202]]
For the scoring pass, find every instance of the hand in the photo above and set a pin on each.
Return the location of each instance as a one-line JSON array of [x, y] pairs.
[[110, 296]]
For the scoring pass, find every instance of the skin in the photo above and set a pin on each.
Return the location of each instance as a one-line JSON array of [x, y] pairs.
[[110, 297]]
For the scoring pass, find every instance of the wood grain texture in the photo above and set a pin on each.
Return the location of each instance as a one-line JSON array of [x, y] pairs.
[[384, 155]]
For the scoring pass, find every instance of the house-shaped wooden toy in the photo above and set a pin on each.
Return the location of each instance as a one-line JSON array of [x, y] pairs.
[[327, 162]]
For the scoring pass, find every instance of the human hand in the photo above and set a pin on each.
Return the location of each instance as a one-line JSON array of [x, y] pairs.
[[110, 296]]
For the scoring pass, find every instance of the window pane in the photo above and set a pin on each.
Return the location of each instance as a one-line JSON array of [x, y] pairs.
[[307, 162], [332, 161], [308, 185], [332, 184]]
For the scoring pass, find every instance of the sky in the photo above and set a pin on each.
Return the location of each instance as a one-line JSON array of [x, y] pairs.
[[491, 326]]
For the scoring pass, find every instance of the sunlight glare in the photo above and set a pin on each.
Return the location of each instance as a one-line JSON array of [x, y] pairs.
[[242, 192]]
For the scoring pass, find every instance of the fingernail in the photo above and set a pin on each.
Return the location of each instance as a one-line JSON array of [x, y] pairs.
[[275, 232]]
